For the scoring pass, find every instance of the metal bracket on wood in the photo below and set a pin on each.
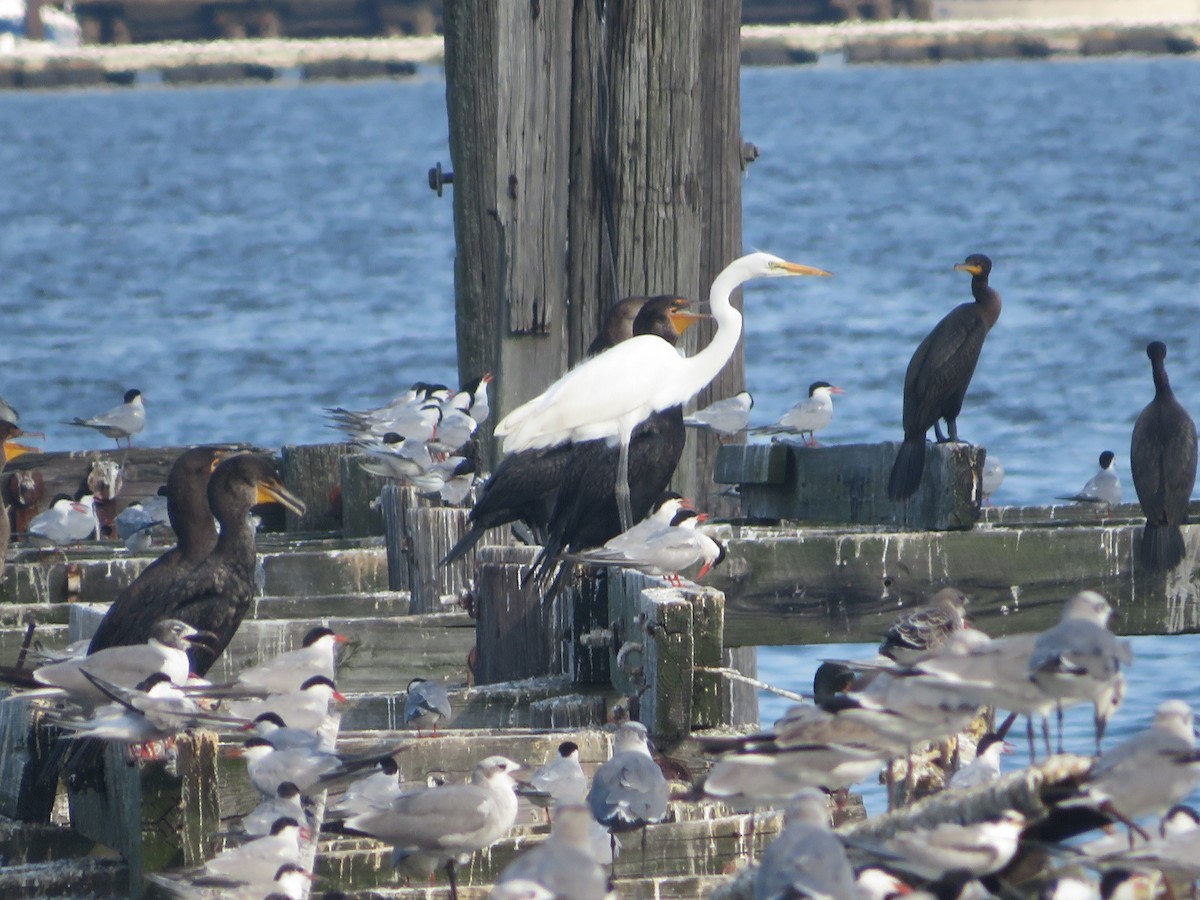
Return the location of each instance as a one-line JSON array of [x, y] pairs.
[[438, 178]]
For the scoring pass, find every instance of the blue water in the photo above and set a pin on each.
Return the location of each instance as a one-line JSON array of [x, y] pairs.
[[248, 255]]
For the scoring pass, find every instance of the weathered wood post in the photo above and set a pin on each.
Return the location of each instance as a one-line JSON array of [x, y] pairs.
[[597, 154]]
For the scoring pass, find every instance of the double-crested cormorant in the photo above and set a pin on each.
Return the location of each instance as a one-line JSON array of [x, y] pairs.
[[195, 534], [939, 374], [526, 486], [122, 421], [611, 394], [808, 416], [215, 594], [1162, 459]]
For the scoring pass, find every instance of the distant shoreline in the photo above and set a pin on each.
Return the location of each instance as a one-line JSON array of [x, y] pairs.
[[35, 65]]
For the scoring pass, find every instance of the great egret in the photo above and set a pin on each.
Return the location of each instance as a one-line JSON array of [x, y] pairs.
[[607, 396]]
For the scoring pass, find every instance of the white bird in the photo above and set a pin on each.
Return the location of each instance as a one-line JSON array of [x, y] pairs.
[[1080, 660], [562, 864], [134, 524], [375, 791], [448, 821], [728, 416], [608, 395], [268, 767], [806, 859], [980, 848], [126, 667], [808, 416], [288, 803], [122, 421], [394, 456], [1103, 488], [984, 768], [663, 552], [258, 861], [67, 521], [991, 478], [426, 703], [316, 655], [561, 779], [306, 708]]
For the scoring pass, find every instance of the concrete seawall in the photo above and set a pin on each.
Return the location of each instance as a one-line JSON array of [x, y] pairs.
[[33, 65]]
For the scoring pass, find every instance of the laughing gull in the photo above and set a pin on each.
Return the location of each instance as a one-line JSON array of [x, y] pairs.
[[449, 821], [925, 628], [1080, 660], [426, 703], [806, 859], [629, 791], [562, 865]]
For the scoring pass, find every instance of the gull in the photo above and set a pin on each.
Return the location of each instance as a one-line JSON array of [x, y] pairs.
[[628, 791], [1079, 659], [991, 478], [122, 421], [980, 848], [126, 667], [925, 628], [806, 859], [426, 703], [1149, 772], [728, 416], [447, 821], [808, 416], [1103, 488], [561, 865], [67, 521]]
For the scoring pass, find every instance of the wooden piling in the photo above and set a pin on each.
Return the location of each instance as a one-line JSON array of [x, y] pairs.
[[312, 472], [24, 747], [517, 633], [419, 533]]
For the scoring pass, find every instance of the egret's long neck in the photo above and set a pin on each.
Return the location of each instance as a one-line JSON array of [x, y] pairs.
[[707, 364]]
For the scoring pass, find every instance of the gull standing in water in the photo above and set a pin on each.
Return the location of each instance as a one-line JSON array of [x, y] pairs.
[[1103, 488], [609, 395], [122, 421]]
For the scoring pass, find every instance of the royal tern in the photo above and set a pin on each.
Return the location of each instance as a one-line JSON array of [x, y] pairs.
[[215, 594], [1162, 459], [448, 821], [67, 521], [562, 864], [728, 416], [808, 416], [939, 374], [806, 859], [425, 704], [610, 394], [196, 536], [122, 421], [1079, 659], [1103, 488], [984, 768], [665, 552], [920, 630]]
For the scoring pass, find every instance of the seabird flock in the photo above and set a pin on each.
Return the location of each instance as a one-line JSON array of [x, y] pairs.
[[585, 473]]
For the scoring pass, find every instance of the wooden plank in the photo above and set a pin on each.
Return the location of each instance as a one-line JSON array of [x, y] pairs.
[[847, 484], [361, 513], [517, 633], [419, 532], [800, 586], [24, 747]]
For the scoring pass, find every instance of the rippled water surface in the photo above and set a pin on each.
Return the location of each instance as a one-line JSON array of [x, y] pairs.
[[246, 255]]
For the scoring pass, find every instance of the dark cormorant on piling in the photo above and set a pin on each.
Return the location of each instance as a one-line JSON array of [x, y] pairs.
[[1162, 458], [525, 486], [216, 593], [195, 533], [940, 372]]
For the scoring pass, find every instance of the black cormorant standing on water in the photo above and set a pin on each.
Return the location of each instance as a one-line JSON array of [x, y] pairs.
[[1162, 458], [939, 374]]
